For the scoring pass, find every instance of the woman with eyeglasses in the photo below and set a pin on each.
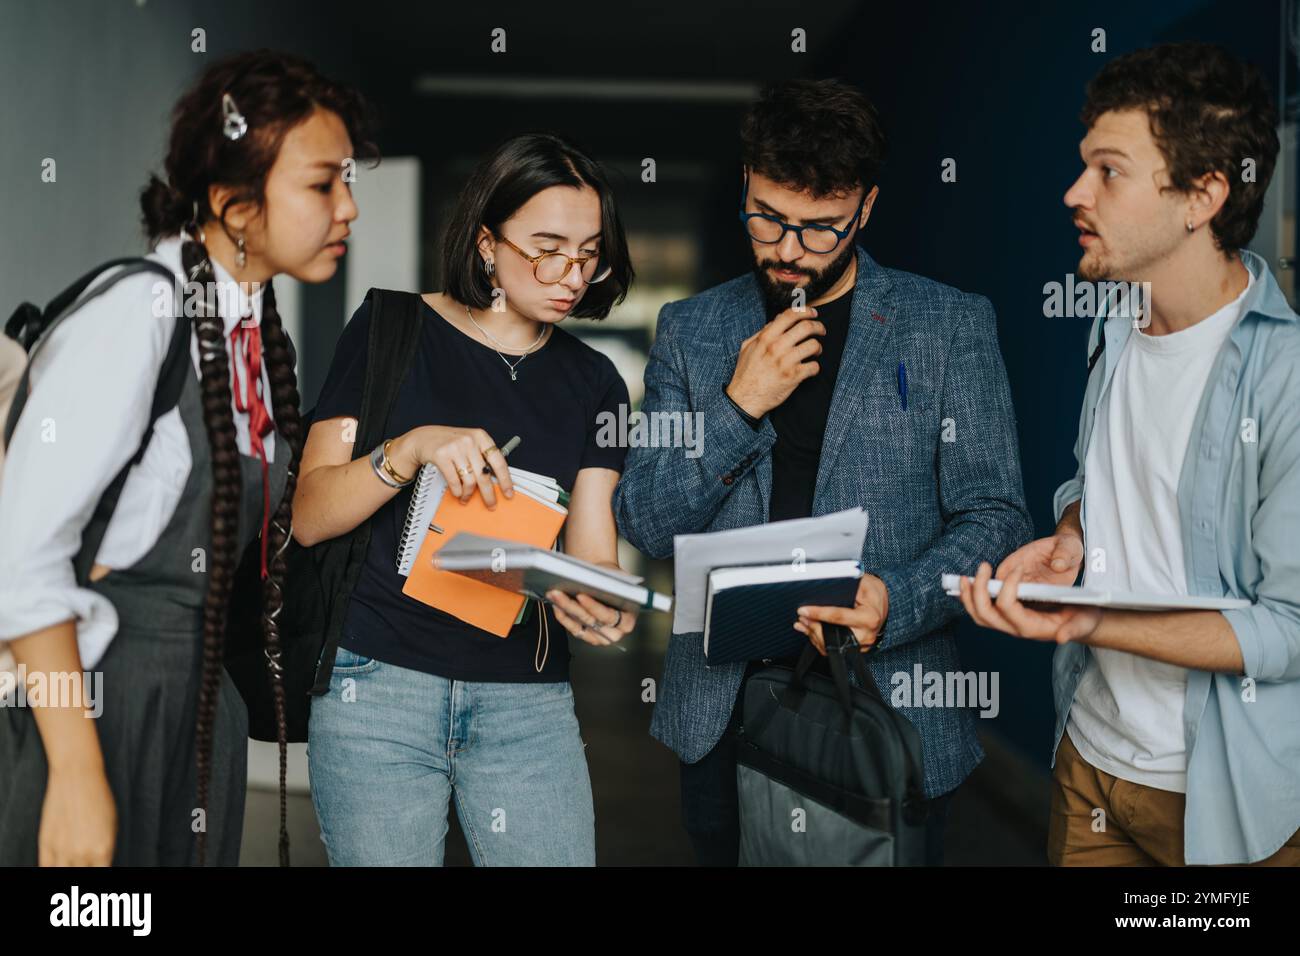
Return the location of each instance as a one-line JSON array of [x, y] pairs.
[[423, 707]]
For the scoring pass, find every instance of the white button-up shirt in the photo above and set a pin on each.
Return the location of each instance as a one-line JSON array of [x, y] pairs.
[[92, 385]]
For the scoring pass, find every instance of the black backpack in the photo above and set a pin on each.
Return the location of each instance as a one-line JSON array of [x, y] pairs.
[[828, 774], [318, 580], [30, 326]]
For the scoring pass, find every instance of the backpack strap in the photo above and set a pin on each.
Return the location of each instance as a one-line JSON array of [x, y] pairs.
[[177, 366], [167, 392], [28, 322], [31, 327], [391, 346], [395, 323]]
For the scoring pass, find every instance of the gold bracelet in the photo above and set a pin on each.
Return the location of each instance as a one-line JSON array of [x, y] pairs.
[[390, 470]]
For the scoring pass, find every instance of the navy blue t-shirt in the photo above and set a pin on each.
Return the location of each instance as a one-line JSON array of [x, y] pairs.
[[454, 380]]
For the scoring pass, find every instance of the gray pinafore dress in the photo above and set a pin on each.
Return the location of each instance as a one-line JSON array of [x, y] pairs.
[[149, 690]]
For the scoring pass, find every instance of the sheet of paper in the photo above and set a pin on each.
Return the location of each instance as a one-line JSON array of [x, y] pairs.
[[833, 537]]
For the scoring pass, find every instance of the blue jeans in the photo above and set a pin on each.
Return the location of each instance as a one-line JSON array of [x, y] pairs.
[[390, 747]]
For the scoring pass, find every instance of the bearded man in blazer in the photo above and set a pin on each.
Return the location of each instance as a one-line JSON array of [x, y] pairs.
[[826, 381]]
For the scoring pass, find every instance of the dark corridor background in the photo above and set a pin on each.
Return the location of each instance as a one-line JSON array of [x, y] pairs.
[[996, 86]]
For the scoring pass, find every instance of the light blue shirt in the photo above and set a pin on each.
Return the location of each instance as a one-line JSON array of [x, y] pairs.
[[1239, 508]]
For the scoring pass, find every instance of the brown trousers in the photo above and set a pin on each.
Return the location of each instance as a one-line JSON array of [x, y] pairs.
[[1143, 825]]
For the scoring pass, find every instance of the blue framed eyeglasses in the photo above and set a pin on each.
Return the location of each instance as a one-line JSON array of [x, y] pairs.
[[817, 239]]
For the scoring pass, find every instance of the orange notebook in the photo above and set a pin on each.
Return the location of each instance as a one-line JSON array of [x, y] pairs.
[[493, 609]]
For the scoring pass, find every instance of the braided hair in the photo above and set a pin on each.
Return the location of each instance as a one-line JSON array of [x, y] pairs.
[[284, 408], [275, 92], [218, 420]]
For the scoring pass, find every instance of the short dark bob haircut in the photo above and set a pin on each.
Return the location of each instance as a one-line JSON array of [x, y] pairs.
[[518, 170]]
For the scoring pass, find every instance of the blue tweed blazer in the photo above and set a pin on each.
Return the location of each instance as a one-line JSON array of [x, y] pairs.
[[940, 481]]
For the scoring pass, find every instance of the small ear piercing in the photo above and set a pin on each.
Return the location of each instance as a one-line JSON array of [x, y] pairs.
[[1190, 227], [241, 256]]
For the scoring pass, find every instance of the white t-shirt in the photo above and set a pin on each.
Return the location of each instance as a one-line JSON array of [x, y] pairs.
[[1127, 715]]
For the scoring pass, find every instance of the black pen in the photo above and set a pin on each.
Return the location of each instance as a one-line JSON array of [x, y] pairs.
[[505, 450]]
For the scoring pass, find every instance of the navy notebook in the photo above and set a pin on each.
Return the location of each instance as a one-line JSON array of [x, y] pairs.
[[750, 611]]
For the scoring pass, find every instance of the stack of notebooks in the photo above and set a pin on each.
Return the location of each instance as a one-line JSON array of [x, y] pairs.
[[482, 566], [750, 610], [534, 572], [747, 611], [533, 516]]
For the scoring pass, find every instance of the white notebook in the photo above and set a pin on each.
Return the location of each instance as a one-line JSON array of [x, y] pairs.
[[534, 571], [429, 489], [832, 537], [1104, 597]]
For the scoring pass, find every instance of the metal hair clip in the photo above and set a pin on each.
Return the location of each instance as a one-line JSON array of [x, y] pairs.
[[233, 123]]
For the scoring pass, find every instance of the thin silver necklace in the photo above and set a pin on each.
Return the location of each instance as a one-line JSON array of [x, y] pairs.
[[514, 376]]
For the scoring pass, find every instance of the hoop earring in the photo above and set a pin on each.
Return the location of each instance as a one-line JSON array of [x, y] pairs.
[[489, 266], [241, 256]]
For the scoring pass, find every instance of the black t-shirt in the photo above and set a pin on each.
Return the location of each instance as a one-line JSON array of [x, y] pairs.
[[455, 380], [800, 421]]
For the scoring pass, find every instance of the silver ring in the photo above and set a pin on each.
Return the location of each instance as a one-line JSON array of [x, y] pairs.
[[619, 618]]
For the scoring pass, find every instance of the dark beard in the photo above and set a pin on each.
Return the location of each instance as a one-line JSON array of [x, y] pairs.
[[777, 295]]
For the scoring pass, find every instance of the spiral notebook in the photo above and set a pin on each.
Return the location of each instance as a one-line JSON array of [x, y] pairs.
[[429, 489], [434, 518]]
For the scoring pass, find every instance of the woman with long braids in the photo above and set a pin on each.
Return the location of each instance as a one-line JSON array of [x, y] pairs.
[[254, 187]]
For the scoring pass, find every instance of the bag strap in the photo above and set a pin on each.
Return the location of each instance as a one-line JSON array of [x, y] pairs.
[[795, 689], [845, 654], [71, 299], [167, 391], [31, 328], [391, 348], [395, 323], [856, 657], [27, 319], [841, 645], [177, 366]]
